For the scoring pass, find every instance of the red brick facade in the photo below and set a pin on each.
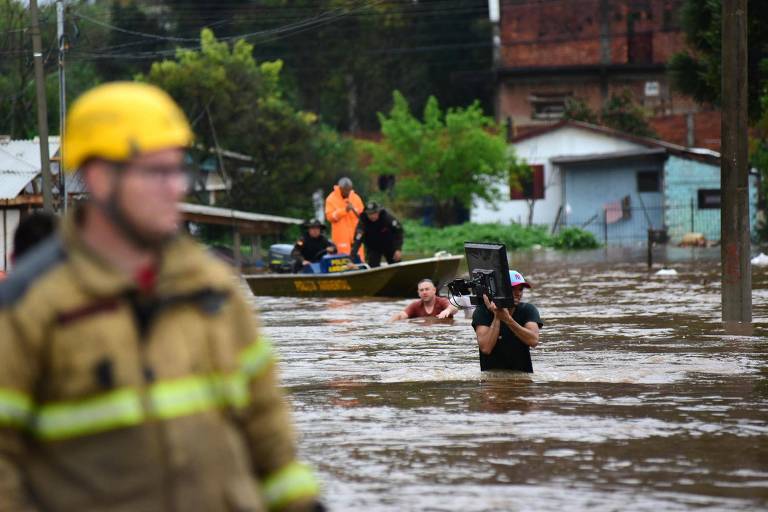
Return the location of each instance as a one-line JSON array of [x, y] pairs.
[[552, 50]]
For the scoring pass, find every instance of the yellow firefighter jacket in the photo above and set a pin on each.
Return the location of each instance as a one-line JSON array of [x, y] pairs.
[[114, 401]]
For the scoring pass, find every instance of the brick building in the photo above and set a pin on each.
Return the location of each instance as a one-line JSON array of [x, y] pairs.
[[553, 50]]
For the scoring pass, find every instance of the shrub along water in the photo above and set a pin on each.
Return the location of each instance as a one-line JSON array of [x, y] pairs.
[[420, 239]]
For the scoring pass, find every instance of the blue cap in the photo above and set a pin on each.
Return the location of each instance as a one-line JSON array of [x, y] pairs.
[[517, 279]]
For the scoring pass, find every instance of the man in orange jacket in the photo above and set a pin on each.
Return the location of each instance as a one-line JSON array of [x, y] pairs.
[[342, 209]]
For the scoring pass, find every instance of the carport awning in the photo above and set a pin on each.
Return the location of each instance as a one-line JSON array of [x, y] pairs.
[[246, 222], [617, 155]]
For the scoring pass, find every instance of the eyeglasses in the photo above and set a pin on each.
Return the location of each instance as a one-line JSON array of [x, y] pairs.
[[163, 173]]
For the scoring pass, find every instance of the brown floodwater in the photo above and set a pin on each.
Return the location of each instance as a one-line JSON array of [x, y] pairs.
[[639, 401]]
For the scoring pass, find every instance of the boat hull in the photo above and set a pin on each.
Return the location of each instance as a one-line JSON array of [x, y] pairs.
[[396, 280]]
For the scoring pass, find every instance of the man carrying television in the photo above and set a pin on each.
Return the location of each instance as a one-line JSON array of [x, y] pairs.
[[506, 335]]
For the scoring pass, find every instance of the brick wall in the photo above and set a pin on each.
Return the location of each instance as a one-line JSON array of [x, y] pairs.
[[674, 128], [569, 32]]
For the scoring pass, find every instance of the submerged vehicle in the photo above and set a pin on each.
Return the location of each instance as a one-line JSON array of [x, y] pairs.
[[333, 276]]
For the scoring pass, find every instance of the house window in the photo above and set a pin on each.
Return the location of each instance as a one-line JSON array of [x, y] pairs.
[[709, 198], [548, 105], [530, 187], [648, 181]]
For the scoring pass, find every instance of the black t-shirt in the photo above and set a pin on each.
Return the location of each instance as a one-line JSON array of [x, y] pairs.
[[509, 353]]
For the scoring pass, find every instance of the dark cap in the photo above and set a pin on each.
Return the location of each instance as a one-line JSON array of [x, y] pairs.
[[372, 207], [313, 223]]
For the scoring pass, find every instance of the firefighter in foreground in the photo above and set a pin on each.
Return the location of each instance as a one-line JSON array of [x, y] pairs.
[[132, 373], [381, 233]]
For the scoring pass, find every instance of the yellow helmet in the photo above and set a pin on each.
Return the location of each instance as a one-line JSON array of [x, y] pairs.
[[119, 120]]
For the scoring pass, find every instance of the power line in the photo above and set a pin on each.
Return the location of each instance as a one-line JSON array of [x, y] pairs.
[[293, 28]]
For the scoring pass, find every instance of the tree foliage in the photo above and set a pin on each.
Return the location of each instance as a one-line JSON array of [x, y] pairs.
[[342, 58], [696, 71], [619, 112], [577, 109], [17, 87], [237, 104], [446, 158], [622, 113]]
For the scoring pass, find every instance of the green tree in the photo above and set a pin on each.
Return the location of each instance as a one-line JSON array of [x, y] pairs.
[[576, 109], [696, 71], [622, 113], [344, 58], [445, 159], [17, 86], [619, 112], [237, 104]]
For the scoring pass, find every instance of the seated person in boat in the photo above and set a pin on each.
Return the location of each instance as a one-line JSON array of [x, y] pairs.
[[428, 304], [312, 246], [506, 336], [381, 233]]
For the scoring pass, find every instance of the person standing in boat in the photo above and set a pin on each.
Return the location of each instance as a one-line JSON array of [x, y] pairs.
[[312, 246], [342, 208], [428, 304], [506, 336], [381, 233]]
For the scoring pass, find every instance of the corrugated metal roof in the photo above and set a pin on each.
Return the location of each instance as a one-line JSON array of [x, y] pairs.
[[20, 164], [22, 154], [13, 182], [226, 213]]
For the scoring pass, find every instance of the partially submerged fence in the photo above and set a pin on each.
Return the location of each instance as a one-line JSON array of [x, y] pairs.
[[629, 226]]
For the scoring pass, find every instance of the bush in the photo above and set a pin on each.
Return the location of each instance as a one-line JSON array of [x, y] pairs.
[[420, 239], [574, 238]]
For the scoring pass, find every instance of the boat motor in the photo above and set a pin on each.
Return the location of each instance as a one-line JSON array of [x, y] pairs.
[[280, 259]]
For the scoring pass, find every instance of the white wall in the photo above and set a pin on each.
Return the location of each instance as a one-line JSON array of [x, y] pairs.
[[9, 220], [539, 150]]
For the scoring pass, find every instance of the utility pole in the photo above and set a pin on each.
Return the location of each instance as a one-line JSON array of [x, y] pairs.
[[494, 16], [62, 100], [42, 109], [734, 183]]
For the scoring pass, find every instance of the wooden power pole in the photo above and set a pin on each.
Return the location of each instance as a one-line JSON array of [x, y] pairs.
[[734, 184], [42, 108]]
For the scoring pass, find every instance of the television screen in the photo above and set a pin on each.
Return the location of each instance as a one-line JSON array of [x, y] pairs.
[[490, 260]]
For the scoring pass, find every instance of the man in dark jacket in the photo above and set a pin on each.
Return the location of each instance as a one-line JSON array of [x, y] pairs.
[[312, 246], [381, 233]]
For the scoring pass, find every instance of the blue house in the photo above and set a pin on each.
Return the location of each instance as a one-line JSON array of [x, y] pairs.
[[616, 185]]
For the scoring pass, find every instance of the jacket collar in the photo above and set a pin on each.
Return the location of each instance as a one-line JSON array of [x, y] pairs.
[[184, 267]]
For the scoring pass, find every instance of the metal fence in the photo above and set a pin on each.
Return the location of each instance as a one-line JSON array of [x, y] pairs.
[[630, 226]]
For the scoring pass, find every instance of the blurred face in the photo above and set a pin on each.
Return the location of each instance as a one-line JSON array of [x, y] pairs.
[[374, 216], [149, 191], [427, 292], [517, 292], [314, 232], [345, 190]]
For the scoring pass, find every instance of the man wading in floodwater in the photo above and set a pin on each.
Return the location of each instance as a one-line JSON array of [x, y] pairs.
[[506, 335], [428, 304]]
